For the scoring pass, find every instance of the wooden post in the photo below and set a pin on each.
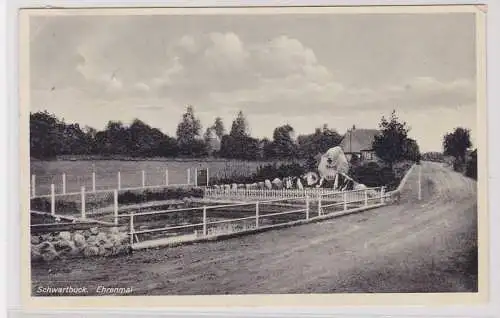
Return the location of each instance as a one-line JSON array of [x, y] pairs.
[[131, 228], [93, 181], [33, 185], [366, 197], [319, 205], [64, 183], [52, 199], [143, 178], [166, 176], [419, 182], [82, 195], [345, 200], [307, 207], [119, 180], [382, 194], [257, 214], [195, 177], [115, 206], [188, 176], [204, 221], [208, 178]]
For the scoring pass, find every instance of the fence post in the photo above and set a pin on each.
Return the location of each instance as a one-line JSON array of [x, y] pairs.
[[188, 175], [93, 181], [319, 205], [166, 176], [131, 228], [83, 202], [195, 177], [257, 214], [307, 207], [119, 180], [345, 200], [208, 178], [64, 183], [143, 178], [52, 199], [115, 206], [382, 194], [204, 221], [366, 197], [33, 185]]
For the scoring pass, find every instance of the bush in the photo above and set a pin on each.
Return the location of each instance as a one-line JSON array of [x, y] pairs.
[[471, 169], [139, 196]]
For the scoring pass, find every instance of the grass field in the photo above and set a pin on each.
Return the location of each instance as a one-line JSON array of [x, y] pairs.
[[79, 172]]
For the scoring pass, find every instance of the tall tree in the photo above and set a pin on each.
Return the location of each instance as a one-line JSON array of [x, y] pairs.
[[318, 142], [283, 142], [456, 144], [239, 128], [390, 144], [188, 131], [219, 128]]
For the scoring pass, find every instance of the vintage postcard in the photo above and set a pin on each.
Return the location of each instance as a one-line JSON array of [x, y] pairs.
[[288, 156]]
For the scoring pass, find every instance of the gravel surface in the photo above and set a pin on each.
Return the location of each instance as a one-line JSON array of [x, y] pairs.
[[413, 246]]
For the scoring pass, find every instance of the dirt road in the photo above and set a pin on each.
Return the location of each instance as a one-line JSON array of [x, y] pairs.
[[415, 246]]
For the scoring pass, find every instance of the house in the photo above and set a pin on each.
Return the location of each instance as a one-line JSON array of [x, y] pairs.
[[359, 142]]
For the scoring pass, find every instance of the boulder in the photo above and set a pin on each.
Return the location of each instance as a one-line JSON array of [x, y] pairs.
[[91, 251], [268, 184], [277, 184], [65, 235], [35, 239]]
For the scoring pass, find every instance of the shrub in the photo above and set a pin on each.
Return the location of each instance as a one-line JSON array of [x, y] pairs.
[[373, 174], [139, 196]]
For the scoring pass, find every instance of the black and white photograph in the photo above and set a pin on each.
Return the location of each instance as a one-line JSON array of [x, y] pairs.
[[253, 152]]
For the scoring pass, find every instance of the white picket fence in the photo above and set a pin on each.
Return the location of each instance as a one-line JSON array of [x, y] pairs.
[[264, 194]]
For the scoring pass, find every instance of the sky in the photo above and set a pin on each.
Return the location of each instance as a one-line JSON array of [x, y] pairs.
[[305, 70]]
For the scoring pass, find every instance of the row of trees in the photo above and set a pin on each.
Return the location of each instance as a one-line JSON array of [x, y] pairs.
[[51, 137]]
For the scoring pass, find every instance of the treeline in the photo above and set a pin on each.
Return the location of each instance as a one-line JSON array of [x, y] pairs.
[[51, 137]]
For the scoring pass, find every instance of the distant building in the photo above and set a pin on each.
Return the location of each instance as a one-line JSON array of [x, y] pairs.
[[359, 142]]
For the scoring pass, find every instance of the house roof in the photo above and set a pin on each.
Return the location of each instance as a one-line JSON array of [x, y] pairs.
[[356, 140]]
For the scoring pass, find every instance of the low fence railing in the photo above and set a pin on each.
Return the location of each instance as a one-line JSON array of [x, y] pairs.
[[206, 220]]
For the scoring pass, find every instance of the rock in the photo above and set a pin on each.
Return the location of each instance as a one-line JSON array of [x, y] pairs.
[[277, 184], [91, 251], [47, 251], [268, 184], [65, 235], [35, 239], [79, 240], [360, 186]]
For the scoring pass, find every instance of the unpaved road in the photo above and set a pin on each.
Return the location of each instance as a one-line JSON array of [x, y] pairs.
[[415, 246]]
